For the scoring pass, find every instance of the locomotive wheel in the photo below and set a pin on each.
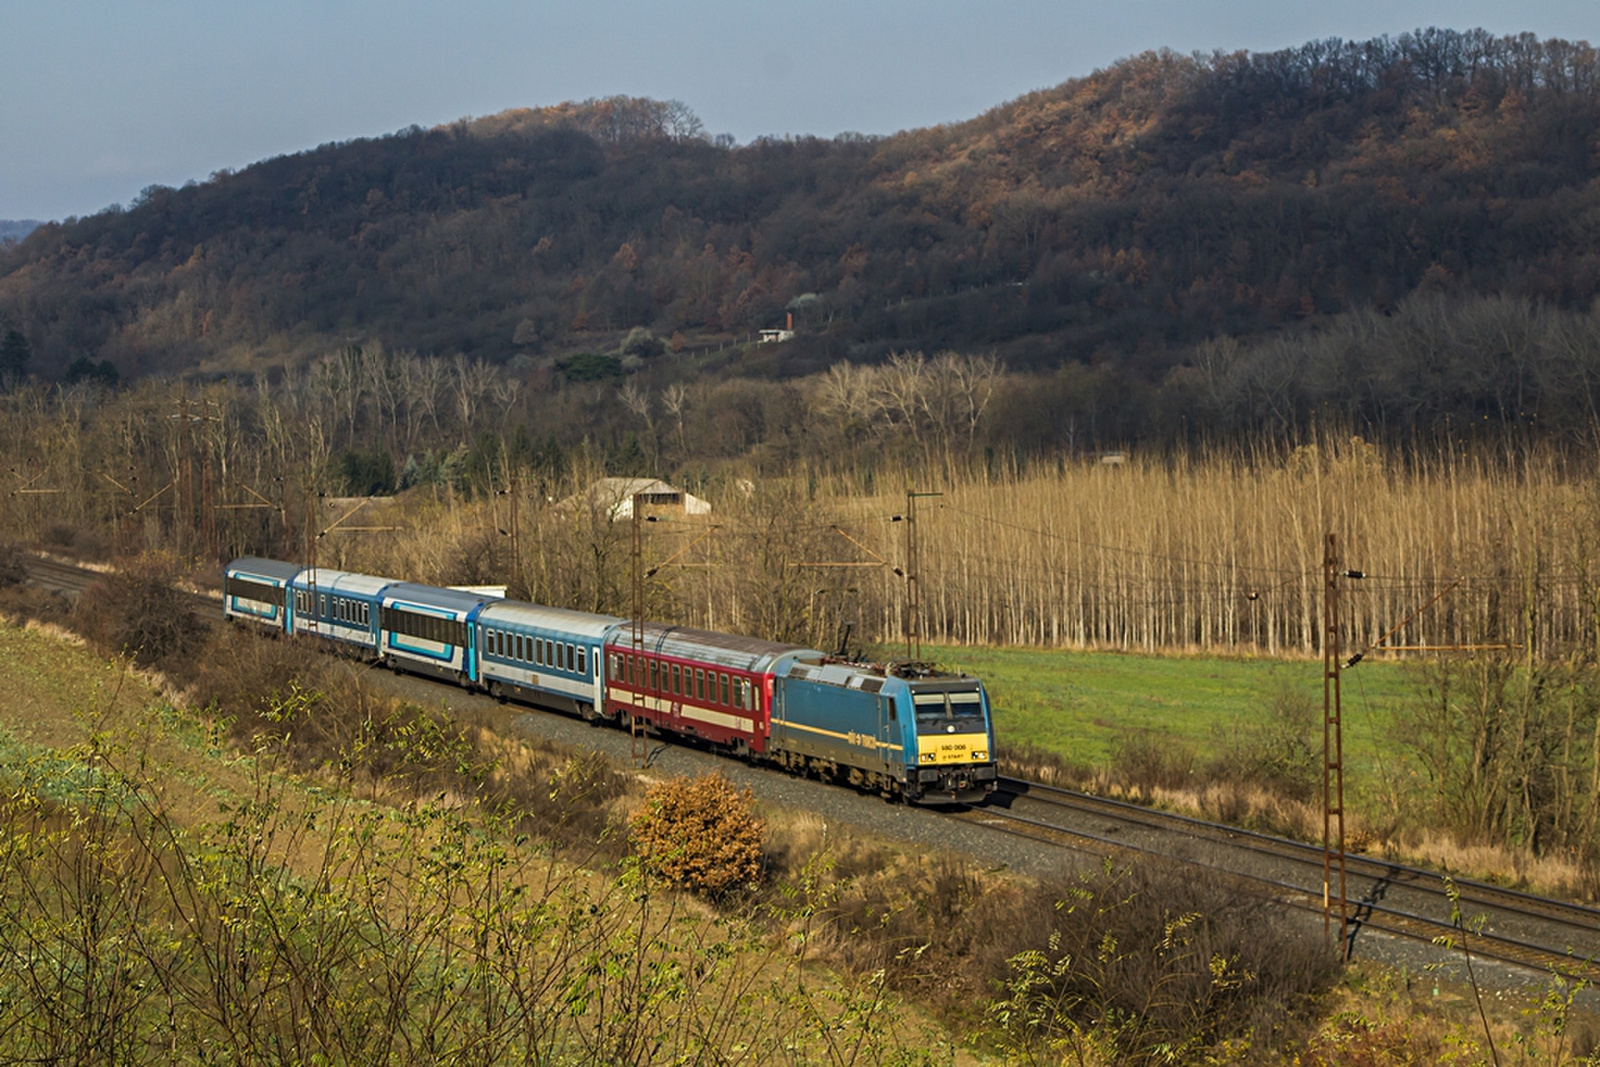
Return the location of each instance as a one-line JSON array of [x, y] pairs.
[[497, 691]]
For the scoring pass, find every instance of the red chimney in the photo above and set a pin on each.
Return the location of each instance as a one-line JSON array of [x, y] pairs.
[[790, 326]]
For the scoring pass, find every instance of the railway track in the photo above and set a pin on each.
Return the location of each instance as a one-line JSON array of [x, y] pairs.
[[1495, 922], [1500, 923], [67, 578], [71, 580]]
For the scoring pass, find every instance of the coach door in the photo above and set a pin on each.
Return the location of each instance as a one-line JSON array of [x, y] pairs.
[[886, 733]]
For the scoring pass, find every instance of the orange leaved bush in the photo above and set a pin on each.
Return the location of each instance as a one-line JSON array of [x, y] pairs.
[[699, 833]]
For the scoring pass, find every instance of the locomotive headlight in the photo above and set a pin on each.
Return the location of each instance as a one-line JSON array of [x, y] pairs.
[[980, 753]]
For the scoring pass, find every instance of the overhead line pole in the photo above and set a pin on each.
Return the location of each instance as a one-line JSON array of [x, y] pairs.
[[1333, 851], [913, 578], [633, 671]]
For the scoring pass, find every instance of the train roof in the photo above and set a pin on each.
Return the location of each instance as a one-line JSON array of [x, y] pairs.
[[707, 646], [332, 581], [566, 620], [433, 597], [256, 566]]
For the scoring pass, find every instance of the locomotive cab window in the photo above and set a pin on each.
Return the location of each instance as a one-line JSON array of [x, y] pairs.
[[962, 711]]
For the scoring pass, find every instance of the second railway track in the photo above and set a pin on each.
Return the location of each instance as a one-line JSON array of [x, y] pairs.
[[1500, 923]]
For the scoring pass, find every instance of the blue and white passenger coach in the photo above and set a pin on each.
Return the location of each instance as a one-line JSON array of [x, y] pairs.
[[340, 605], [253, 591], [428, 630], [541, 655]]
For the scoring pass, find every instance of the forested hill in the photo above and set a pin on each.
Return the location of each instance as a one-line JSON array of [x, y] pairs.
[[1119, 217]]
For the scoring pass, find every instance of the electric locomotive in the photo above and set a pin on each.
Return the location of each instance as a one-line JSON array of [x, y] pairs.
[[903, 729]]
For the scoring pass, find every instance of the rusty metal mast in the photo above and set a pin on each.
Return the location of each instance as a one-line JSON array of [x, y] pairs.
[[913, 578], [633, 671], [1333, 854]]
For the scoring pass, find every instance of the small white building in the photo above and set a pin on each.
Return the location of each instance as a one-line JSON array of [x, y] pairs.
[[615, 497], [772, 337]]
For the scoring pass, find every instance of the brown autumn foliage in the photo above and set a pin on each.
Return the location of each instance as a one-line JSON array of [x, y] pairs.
[[700, 834], [1118, 217]]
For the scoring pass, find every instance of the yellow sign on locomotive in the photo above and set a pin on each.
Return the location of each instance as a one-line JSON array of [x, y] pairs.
[[958, 748]]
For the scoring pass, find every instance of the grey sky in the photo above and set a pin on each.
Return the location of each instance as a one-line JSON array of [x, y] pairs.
[[100, 98]]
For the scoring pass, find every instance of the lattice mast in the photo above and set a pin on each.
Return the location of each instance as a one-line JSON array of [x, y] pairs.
[[1333, 854], [634, 670]]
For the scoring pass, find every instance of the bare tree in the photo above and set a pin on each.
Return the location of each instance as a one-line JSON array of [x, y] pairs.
[[675, 399], [472, 382]]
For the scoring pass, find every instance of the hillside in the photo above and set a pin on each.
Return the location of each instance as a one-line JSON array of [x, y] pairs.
[[1123, 216]]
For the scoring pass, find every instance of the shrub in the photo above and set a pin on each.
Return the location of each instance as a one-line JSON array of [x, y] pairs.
[[1153, 964], [139, 612], [75, 541], [1280, 752], [1144, 761], [12, 568], [701, 834]]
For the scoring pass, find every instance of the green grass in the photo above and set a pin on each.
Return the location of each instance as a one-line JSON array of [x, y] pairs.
[[1080, 704]]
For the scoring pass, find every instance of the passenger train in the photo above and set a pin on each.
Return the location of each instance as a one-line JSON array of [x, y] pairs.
[[903, 729]]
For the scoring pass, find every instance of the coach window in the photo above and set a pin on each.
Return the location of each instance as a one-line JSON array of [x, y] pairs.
[[583, 660], [727, 696], [572, 656], [699, 684]]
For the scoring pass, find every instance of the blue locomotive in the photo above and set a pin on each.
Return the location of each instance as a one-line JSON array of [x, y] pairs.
[[901, 729]]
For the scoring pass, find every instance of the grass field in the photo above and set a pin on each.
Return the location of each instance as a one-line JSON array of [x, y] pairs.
[[1079, 704]]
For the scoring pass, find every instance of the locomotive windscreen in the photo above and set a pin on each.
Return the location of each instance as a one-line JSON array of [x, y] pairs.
[[959, 711]]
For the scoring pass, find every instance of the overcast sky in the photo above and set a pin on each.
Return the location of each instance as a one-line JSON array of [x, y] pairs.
[[100, 98]]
